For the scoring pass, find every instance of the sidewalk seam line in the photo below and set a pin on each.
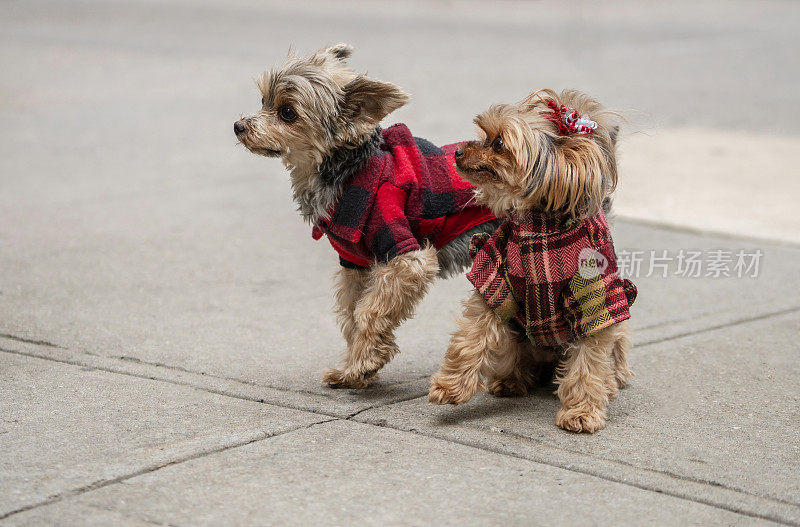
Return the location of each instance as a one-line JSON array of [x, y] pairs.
[[31, 341], [605, 477], [174, 382], [351, 417], [127, 358], [102, 483], [738, 322], [665, 473]]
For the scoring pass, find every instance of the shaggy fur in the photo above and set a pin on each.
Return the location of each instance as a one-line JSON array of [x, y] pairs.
[[389, 295], [523, 163], [314, 109], [321, 118], [336, 169], [537, 168]]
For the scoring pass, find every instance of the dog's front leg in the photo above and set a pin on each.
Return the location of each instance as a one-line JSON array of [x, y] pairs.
[[391, 293], [480, 333], [586, 382]]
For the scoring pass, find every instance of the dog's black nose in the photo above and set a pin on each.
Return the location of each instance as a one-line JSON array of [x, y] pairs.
[[459, 152], [239, 127]]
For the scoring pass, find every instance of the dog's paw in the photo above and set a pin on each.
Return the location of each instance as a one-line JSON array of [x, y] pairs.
[[580, 419], [507, 388], [443, 393], [339, 379], [333, 377]]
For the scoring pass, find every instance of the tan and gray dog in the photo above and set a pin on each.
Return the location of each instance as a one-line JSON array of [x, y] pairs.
[[392, 205]]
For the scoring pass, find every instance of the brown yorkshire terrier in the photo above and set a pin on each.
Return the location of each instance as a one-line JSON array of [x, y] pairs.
[[391, 204], [548, 297]]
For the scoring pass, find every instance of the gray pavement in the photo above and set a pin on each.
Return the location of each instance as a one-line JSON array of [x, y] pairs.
[[165, 316]]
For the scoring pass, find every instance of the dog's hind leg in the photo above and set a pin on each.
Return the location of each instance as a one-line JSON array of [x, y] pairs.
[[349, 285], [509, 369], [391, 293]]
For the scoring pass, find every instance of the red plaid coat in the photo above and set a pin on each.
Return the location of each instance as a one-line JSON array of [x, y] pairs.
[[409, 194], [555, 280]]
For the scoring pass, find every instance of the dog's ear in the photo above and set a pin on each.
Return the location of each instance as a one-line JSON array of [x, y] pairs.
[[341, 50], [369, 100]]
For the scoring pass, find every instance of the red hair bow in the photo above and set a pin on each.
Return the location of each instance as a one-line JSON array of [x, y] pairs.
[[569, 121]]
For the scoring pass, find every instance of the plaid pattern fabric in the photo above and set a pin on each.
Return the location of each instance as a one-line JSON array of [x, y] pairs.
[[556, 280], [409, 194]]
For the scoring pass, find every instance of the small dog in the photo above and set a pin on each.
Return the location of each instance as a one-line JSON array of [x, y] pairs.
[[548, 297], [392, 205]]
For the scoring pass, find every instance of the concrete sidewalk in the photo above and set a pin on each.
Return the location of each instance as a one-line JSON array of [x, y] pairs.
[[165, 316]]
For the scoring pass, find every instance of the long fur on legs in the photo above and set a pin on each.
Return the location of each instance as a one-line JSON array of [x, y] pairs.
[[479, 333], [510, 369], [587, 380], [622, 345], [349, 285], [519, 366], [392, 292], [483, 348]]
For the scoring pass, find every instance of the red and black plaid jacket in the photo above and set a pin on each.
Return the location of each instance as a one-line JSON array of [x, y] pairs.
[[556, 280], [409, 194]]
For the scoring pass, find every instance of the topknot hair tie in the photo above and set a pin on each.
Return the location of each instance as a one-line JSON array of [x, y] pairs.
[[569, 121]]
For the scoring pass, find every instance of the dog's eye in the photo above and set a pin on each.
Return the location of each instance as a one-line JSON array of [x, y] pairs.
[[263, 102], [287, 114], [498, 145]]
